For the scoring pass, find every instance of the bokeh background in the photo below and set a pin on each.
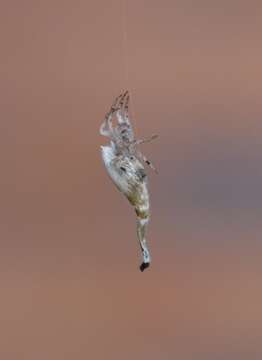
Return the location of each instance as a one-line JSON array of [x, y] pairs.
[[70, 284]]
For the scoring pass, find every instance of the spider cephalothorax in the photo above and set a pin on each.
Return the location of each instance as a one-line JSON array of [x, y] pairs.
[[123, 163], [122, 135]]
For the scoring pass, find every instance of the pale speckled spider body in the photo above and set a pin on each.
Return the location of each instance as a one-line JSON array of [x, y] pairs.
[[122, 160]]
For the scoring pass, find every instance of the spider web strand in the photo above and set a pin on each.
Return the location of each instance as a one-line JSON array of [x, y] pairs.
[[125, 57]]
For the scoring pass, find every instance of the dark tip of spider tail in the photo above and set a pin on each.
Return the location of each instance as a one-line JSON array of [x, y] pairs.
[[144, 266]]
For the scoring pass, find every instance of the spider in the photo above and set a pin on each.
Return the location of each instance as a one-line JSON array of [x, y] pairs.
[[123, 162]]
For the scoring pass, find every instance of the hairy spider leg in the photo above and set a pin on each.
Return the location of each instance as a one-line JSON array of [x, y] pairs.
[[147, 140], [106, 128], [144, 158], [120, 114]]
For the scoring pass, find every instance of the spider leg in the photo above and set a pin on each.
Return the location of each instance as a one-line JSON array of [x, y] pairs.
[[126, 108], [106, 128], [143, 141], [144, 158], [116, 103], [123, 96], [121, 116]]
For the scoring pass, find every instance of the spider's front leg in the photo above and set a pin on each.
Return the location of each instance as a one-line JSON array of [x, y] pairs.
[[123, 108], [106, 129]]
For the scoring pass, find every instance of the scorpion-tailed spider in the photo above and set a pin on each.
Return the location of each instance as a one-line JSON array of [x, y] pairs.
[[123, 162]]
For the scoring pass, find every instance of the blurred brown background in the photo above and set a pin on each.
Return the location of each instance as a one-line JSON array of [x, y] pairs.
[[70, 284]]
